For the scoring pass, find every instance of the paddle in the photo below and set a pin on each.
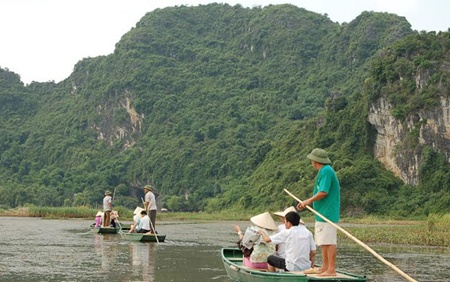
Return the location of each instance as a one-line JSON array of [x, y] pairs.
[[355, 239], [151, 224]]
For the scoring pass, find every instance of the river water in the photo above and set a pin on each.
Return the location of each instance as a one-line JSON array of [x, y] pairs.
[[33, 249]]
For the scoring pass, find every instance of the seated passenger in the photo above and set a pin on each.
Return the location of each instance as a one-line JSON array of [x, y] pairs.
[[300, 245], [280, 215], [136, 220], [98, 219], [255, 250], [114, 218], [145, 223]]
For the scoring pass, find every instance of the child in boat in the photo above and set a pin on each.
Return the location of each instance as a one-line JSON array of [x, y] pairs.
[[255, 250]]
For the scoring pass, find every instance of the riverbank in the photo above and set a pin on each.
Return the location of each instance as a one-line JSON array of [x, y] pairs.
[[432, 231]]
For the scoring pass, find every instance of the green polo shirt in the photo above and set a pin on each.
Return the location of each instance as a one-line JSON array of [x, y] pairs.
[[329, 206]]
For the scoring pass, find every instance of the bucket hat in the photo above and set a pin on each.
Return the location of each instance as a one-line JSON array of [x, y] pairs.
[[319, 155]]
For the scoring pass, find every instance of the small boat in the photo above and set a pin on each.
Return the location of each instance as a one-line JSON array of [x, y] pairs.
[[233, 262], [144, 237], [108, 230]]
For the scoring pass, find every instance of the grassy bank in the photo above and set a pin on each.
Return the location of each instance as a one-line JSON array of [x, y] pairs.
[[432, 231]]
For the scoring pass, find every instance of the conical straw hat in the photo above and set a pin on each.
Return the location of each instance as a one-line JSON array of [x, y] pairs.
[[283, 213], [99, 213], [286, 211], [264, 220], [138, 210]]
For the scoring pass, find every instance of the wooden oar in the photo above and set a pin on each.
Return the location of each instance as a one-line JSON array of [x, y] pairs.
[[398, 270], [151, 224]]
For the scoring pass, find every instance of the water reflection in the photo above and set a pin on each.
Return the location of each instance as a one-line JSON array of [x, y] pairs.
[[64, 250], [143, 261]]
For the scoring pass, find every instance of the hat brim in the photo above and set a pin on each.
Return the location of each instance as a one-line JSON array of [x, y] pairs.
[[319, 160]]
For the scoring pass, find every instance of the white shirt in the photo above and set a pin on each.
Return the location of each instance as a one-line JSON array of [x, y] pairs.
[[106, 202], [281, 247], [145, 223], [299, 243], [150, 198]]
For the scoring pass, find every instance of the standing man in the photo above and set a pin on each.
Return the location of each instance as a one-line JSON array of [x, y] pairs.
[[326, 200], [107, 208], [150, 207]]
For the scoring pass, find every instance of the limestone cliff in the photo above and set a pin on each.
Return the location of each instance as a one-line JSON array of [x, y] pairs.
[[394, 138], [119, 123]]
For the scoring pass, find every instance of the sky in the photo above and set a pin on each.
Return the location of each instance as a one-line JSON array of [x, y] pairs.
[[42, 40]]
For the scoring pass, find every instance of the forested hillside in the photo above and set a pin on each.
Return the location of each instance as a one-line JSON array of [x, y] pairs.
[[215, 105]]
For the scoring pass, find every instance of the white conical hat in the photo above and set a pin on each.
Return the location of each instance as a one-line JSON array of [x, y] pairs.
[[99, 213], [286, 211], [264, 220], [138, 210], [283, 213]]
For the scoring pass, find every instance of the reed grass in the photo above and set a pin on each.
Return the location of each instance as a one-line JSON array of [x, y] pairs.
[[434, 230]]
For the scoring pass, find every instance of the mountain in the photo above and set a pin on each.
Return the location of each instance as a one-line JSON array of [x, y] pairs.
[[215, 105]]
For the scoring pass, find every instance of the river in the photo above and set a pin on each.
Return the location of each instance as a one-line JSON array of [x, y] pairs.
[[34, 249]]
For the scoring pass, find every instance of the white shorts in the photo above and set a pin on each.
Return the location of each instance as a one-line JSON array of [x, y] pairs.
[[325, 233]]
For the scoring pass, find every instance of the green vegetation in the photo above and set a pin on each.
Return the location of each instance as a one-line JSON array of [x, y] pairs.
[[433, 231], [217, 106]]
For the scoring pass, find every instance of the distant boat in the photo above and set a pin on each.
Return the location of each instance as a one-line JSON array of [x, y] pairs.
[[108, 230], [144, 237], [233, 262]]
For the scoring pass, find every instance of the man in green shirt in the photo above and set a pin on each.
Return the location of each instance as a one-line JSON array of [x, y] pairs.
[[326, 201]]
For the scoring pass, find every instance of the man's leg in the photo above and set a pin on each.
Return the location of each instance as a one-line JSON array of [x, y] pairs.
[[274, 262], [324, 258], [107, 219], [153, 221], [329, 254]]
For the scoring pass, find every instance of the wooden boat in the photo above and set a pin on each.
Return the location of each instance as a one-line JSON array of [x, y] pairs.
[[144, 237], [233, 262], [108, 230]]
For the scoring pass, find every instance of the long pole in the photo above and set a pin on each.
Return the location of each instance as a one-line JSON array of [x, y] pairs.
[[398, 270], [113, 198], [151, 224]]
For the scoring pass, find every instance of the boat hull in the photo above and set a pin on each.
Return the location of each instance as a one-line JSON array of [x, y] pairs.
[[108, 230], [144, 238], [232, 260]]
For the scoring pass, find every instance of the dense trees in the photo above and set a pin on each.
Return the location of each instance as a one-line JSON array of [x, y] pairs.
[[217, 106]]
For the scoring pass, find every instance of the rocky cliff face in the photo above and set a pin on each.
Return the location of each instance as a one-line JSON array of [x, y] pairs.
[[119, 122], [399, 143]]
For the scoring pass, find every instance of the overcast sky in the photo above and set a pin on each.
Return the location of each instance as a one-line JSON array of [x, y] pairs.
[[42, 40]]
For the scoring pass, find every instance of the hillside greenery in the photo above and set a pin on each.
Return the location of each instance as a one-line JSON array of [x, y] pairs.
[[217, 106]]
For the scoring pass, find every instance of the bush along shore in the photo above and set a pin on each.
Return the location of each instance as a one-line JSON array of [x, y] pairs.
[[432, 231]]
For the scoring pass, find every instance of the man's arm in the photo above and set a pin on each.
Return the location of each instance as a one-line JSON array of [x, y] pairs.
[[311, 200], [312, 257]]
